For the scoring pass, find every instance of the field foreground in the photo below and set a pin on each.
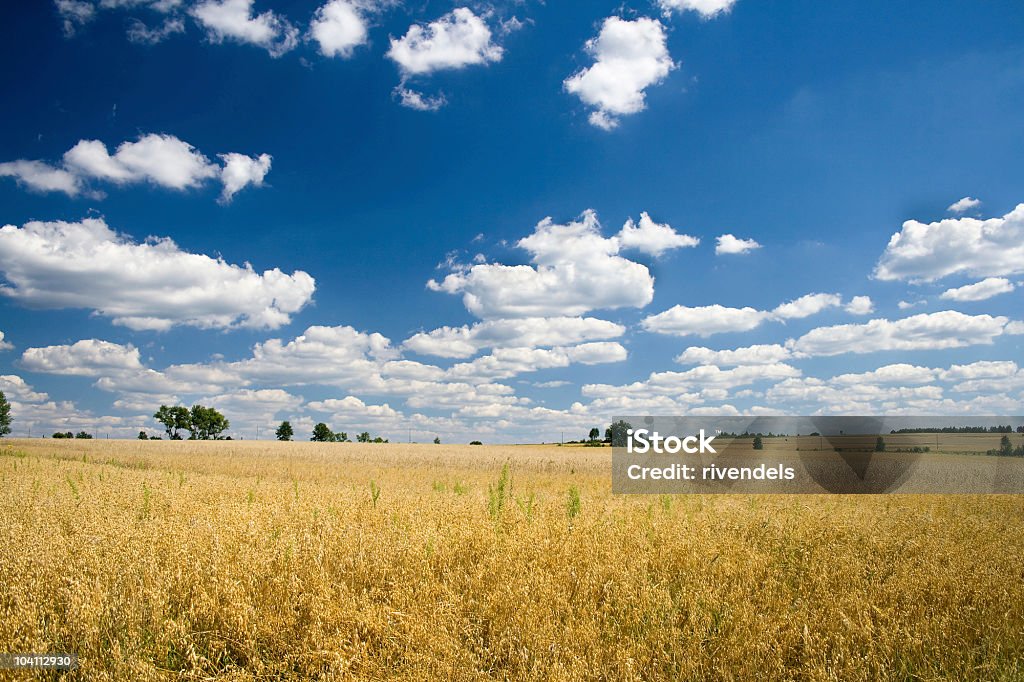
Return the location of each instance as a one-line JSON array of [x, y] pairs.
[[254, 560]]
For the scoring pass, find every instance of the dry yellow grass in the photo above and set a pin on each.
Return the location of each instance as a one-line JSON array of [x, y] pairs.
[[274, 561]]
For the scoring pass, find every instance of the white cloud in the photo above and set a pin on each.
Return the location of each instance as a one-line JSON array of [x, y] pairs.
[[240, 171], [688, 384], [706, 8], [4, 345], [629, 57], [504, 363], [931, 251], [706, 320], [926, 331], [653, 238], [766, 354], [152, 285], [41, 177], [454, 41], [980, 291], [964, 205], [805, 306], [527, 332], [575, 270], [907, 305], [860, 305], [15, 388], [234, 20], [74, 14], [899, 373], [138, 32], [261, 404], [417, 100], [339, 27], [351, 409], [162, 160], [728, 244], [89, 357]]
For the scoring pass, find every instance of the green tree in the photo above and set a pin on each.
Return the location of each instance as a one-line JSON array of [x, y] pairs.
[[285, 431], [5, 415], [322, 433], [363, 437], [174, 419], [595, 433], [616, 434], [437, 440], [1005, 446], [758, 443], [879, 444], [341, 437], [143, 435], [206, 423], [83, 435]]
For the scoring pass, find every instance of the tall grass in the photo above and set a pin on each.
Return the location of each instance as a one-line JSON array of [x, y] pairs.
[[268, 561]]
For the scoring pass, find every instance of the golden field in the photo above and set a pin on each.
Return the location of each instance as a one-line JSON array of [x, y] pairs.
[[256, 560]]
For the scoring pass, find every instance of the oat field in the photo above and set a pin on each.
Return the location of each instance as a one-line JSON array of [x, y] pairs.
[[254, 560]]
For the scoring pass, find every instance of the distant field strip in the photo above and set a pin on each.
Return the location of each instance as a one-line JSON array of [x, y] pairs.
[[256, 560]]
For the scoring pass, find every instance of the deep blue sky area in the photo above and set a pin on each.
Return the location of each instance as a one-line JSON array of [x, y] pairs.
[[815, 129]]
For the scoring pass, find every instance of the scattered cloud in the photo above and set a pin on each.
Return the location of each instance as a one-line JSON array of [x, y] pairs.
[[4, 345], [728, 244], [926, 331], [980, 291], [413, 99], [139, 32], [89, 357], [765, 354], [162, 160], [151, 285], [454, 41], [925, 252], [74, 14], [706, 8], [240, 171], [706, 320], [860, 305], [339, 27], [234, 20], [653, 238], [575, 270], [964, 205], [526, 332], [629, 57]]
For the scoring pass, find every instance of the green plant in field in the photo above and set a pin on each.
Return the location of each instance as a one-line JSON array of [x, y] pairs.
[[527, 506], [374, 493], [498, 493], [573, 504], [440, 487], [460, 488]]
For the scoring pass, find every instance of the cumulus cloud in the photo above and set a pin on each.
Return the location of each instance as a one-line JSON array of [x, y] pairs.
[[150, 285], [240, 171], [89, 357], [234, 20], [575, 269], [527, 332], [688, 385], [706, 320], [860, 305], [766, 354], [706, 8], [964, 205], [980, 291], [925, 252], [339, 27], [162, 160], [454, 41], [504, 363], [927, 331], [728, 244], [629, 57], [4, 345], [653, 238]]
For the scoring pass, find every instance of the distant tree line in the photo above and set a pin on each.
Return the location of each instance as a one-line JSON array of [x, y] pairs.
[[961, 429], [67, 434]]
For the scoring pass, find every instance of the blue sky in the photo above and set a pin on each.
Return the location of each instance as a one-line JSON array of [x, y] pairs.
[[497, 150]]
